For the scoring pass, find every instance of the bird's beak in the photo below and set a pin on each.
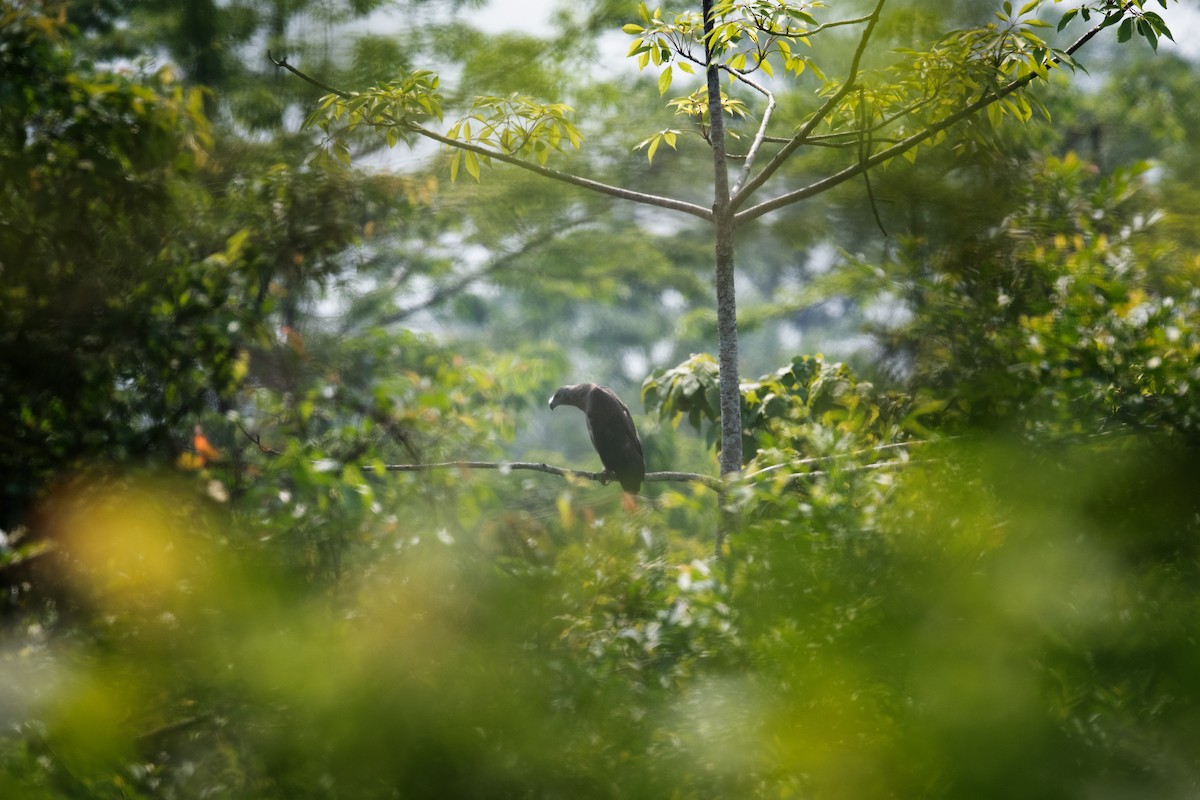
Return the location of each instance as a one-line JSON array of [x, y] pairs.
[[554, 401]]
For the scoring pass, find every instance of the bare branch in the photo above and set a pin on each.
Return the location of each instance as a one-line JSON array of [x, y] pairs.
[[498, 263], [856, 468], [505, 466], [762, 128], [837, 23], [283, 62], [668, 476], [151, 737], [257, 440]]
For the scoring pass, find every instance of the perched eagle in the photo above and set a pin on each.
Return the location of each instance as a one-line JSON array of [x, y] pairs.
[[611, 428]]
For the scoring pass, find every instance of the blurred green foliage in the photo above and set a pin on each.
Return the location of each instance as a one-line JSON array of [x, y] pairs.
[[114, 321], [965, 570]]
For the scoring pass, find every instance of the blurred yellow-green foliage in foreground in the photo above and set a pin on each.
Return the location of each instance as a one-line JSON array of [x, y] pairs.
[[1011, 625]]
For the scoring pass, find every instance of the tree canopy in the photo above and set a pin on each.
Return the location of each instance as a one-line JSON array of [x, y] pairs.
[[285, 514]]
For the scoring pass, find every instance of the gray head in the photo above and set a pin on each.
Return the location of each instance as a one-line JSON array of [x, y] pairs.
[[573, 394]]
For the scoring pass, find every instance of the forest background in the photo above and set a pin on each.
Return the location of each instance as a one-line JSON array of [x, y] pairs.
[[965, 547]]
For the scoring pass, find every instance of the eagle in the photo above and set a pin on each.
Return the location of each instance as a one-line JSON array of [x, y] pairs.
[[611, 428]]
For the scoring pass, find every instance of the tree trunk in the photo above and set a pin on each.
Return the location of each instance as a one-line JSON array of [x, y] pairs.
[[727, 357], [727, 361]]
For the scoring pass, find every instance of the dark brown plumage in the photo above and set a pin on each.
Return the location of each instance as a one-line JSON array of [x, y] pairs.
[[611, 427]]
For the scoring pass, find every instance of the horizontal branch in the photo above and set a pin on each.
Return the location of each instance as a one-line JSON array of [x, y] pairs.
[[651, 477], [536, 466]]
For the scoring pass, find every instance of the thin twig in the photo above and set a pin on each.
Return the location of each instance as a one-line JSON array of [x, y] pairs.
[[857, 468], [283, 62], [498, 263], [150, 737], [836, 23], [257, 440], [567, 177], [864, 151]]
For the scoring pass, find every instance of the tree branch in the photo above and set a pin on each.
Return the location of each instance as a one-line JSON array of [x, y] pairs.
[[496, 264], [903, 145], [152, 737], [257, 441], [741, 195], [835, 24], [762, 129], [668, 476], [325, 87], [546, 172], [566, 177], [505, 466]]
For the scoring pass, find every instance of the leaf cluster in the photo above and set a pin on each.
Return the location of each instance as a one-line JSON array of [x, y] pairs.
[[780, 410], [515, 125], [1147, 24]]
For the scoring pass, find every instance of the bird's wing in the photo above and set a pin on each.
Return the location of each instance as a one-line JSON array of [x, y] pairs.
[[614, 434]]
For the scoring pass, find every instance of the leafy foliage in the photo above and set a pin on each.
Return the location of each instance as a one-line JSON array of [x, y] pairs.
[[915, 604], [115, 322], [1053, 319], [515, 125], [778, 407]]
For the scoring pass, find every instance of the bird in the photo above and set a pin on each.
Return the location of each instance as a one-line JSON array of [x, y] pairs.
[[612, 430]]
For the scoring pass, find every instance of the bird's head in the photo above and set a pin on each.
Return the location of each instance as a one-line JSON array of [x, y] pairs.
[[569, 395]]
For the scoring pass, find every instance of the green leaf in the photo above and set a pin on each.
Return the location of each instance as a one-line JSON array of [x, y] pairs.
[[995, 114], [1125, 32], [1066, 18], [1144, 30], [632, 28], [1157, 23], [664, 81]]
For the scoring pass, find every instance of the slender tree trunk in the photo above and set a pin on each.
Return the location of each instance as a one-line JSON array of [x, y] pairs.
[[731, 428], [727, 358]]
